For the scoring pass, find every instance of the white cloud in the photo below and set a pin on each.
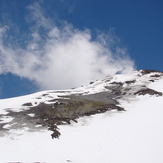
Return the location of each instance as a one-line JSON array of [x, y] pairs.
[[62, 57]]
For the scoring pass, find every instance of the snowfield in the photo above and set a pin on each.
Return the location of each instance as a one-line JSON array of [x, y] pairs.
[[133, 136]]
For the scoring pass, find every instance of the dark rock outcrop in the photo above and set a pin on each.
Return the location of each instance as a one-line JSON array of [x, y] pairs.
[[67, 110], [146, 71], [148, 91], [27, 104]]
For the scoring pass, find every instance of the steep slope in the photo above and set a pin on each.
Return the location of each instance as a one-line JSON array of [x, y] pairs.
[[134, 135]]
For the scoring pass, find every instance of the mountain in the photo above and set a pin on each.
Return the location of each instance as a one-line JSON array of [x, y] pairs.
[[117, 119]]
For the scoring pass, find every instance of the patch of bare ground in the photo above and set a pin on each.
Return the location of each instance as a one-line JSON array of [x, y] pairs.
[[65, 111], [146, 71], [148, 91]]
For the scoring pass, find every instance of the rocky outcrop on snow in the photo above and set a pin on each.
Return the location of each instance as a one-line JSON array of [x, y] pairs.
[[145, 91], [53, 108]]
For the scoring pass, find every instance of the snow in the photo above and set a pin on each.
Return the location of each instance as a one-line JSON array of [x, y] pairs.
[[31, 115], [158, 86], [133, 136]]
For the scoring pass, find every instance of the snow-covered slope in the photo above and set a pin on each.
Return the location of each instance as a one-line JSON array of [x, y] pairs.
[[112, 136]]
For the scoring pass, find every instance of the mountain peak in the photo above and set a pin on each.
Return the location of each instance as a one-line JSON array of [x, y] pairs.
[[52, 108]]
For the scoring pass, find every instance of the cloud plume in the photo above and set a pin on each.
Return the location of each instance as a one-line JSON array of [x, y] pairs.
[[60, 56]]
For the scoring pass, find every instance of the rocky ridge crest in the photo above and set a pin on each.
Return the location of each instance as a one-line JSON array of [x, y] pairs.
[[53, 108]]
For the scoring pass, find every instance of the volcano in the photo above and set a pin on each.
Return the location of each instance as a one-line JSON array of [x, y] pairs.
[[117, 119]]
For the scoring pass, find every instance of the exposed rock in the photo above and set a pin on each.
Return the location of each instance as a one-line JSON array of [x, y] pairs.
[[55, 134], [28, 104], [65, 110], [117, 83], [130, 82], [148, 91], [91, 82], [156, 75], [45, 94], [145, 71]]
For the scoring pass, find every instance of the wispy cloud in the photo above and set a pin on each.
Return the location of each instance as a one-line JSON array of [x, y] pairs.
[[58, 57]]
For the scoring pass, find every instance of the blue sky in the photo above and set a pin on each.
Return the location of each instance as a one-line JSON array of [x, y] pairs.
[[58, 44]]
